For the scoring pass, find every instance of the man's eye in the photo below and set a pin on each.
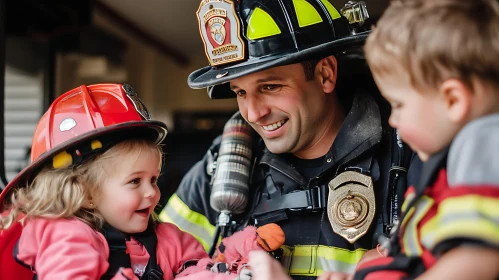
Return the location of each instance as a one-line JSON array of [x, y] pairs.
[[271, 87], [240, 92]]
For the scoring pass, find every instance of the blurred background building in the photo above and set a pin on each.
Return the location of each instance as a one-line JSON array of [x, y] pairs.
[[49, 47]]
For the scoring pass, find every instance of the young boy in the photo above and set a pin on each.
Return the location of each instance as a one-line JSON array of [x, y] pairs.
[[436, 62]]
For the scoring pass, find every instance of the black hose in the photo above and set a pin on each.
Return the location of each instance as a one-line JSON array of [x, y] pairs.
[[215, 241]]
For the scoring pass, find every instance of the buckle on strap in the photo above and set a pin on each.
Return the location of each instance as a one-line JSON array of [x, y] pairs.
[[153, 274], [316, 198], [306, 200]]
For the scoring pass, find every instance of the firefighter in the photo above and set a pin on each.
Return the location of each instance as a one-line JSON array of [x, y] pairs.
[[323, 163]]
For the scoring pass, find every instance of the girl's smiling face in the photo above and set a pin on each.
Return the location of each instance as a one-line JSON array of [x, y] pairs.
[[130, 192]]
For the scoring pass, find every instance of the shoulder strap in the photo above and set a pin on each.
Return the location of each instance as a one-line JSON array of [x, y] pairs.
[[118, 256], [311, 199], [149, 239], [400, 160], [117, 251], [277, 163]]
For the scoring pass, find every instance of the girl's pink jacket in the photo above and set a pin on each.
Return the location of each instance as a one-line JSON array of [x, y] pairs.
[[70, 249]]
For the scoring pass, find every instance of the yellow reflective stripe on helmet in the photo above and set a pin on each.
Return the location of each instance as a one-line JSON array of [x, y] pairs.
[[178, 213], [306, 13], [410, 240], [468, 216], [261, 25], [313, 260], [331, 9]]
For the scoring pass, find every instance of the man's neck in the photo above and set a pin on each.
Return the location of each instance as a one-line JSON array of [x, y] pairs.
[[329, 131]]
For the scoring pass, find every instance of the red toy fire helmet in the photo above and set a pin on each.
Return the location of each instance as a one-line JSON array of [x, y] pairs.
[[77, 123]]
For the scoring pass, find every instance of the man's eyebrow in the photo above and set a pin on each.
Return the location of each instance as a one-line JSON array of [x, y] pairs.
[[270, 79], [233, 88], [273, 78]]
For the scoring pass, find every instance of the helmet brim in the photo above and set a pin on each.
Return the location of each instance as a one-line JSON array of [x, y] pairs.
[[153, 130], [215, 79]]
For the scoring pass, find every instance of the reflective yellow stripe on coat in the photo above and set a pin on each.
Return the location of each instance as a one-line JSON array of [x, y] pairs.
[[313, 260], [467, 216], [410, 240], [178, 213]]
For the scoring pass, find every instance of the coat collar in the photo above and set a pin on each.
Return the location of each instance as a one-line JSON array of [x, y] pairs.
[[430, 170], [360, 131]]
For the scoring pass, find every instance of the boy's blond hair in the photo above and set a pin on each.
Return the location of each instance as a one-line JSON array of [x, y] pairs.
[[64, 193], [433, 40]]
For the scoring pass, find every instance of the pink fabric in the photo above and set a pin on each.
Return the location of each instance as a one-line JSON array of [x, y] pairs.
[[70, 249], [237, 248], [175, 247], [63, 249], [138, 256]]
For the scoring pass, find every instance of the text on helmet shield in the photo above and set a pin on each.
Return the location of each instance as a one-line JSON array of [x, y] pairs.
[[220, 30]]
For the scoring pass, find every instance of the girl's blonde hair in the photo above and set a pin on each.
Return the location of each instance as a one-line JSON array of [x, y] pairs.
[[65, 192]]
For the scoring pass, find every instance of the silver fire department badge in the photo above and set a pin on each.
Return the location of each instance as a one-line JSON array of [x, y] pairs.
[[220, 30], [351, 204], [137, 103]]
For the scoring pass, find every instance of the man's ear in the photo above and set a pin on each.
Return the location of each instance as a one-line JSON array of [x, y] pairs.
[[326, 72], [457, 97]]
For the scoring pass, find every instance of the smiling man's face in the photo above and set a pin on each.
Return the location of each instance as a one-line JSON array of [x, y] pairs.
[[283, 107]]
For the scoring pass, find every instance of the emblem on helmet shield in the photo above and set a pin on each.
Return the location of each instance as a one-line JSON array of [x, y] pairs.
[[217, 30], [137, 103], [220, 30]]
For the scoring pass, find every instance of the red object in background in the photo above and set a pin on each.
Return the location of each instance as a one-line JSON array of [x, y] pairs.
[[9, 268]]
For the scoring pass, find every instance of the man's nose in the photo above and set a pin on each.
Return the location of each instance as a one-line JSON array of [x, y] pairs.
[[257, 107]]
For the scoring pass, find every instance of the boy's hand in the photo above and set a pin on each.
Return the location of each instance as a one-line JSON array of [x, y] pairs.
[[264, 267], [466, 262], [330, 275]]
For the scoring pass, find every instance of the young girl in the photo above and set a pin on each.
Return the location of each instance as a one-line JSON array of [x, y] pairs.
[[86, 202]]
